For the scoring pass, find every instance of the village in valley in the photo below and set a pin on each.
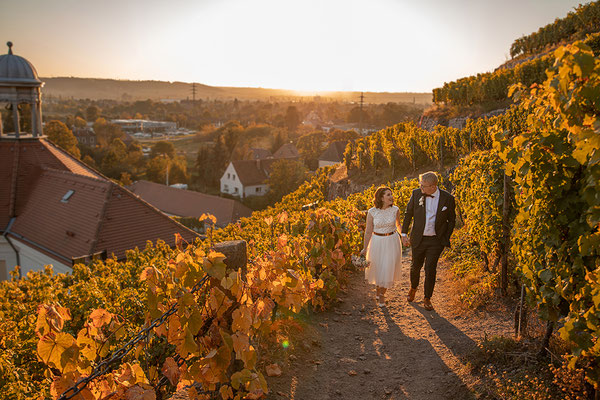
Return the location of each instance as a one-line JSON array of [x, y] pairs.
[[169, 239]]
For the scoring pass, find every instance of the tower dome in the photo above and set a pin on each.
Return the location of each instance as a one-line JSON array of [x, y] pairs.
[[19, 84], [16, 69]]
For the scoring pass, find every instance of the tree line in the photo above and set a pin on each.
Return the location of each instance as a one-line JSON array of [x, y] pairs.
[[493, 86], [575, 26]]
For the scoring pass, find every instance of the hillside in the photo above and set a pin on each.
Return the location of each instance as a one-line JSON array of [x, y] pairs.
[[92, 88]]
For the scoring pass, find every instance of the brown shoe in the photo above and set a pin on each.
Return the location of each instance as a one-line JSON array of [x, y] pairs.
[[411, 295], [427, 304]]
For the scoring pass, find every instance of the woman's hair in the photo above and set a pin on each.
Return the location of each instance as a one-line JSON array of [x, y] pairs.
[[378, 198]]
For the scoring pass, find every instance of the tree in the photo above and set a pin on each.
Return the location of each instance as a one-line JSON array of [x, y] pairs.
[[310, 148], [292, 118], [178, 170], [113, 163], [106, 132], [156, 170], [88, 160], [211, 162], [79, 122], [286, 176], [92, 113], [63, 137], [354, 116], [163, 147], [278, 141], [338, 134], [230, 135]]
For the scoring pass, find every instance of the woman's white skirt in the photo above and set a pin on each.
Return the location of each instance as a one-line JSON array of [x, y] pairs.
[[385, 257]]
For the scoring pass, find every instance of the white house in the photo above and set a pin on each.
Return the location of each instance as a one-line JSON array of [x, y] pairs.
[[245, 178]]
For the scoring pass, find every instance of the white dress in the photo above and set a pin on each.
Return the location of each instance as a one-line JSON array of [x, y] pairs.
[[384, 252]]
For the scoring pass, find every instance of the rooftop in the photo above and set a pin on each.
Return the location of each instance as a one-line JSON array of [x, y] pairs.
[[188, 203]]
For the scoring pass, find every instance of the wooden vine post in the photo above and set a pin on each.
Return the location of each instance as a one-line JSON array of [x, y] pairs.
[[505, 236]]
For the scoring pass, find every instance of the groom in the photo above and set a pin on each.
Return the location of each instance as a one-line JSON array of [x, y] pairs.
[[434, 216]]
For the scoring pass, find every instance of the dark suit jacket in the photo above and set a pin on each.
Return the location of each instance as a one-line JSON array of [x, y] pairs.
[[444, 220]]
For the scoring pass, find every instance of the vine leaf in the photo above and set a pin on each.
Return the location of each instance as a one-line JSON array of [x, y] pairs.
[[59, 351], [100, 317], [170, 369]]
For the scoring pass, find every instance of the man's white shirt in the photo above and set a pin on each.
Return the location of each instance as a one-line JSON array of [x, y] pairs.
[[431, 205]]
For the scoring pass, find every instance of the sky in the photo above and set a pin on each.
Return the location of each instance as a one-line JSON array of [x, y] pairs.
[[307, 45]]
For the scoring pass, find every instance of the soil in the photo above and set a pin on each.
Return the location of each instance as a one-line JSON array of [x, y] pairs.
[[357, 350]]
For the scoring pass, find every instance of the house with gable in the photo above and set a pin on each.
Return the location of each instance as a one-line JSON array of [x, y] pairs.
[[243, 178], [333, 154], [288, 151], [54, 209]]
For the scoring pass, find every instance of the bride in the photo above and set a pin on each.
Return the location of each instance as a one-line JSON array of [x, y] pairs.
[[382, 244]]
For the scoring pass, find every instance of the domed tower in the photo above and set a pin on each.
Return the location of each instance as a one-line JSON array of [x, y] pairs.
[[19, 84]]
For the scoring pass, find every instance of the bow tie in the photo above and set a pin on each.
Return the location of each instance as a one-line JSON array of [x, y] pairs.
[[428, 195]]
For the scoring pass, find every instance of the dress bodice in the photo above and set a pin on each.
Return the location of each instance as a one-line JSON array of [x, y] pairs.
[[384, 221]]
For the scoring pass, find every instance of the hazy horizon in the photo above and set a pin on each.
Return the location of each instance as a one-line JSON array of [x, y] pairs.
[[393, 46]]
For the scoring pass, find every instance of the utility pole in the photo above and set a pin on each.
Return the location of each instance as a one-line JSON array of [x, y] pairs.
[[167, 171], [194, 92], [360, 119]]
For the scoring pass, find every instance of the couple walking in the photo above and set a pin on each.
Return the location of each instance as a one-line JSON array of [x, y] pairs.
[[432, 213]]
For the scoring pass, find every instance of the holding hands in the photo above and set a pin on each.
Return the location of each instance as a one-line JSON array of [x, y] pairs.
[[405, 241]]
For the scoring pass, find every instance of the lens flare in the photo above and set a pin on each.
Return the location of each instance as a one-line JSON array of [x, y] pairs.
[[285, 344]]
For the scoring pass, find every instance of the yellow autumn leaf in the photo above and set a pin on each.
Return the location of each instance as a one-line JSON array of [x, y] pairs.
[[139, 393], [170, 369], [249, 357], [187, 345], [59, 351], [226, 392], [87, 345], [100, 317], [282, 217], [227, 282], [242, 319], [241, 342]]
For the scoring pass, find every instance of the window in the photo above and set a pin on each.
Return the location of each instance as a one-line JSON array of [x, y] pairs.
[[234, 177], [258, 189], [235, 190], [228, 175], [225, 188], [67, 196]]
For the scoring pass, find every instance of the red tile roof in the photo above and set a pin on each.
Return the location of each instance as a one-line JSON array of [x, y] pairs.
[[20, 162], [253, 172], [334, 152], [188, 203], [288, 150], [129, 222], [99, 215]]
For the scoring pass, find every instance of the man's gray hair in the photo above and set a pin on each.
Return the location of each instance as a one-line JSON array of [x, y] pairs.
[[429, 177]]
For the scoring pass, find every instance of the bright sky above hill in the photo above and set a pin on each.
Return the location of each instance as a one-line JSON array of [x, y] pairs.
[[363, 45]]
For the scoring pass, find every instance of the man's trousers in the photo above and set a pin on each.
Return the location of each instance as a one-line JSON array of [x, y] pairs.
[[428, 253]]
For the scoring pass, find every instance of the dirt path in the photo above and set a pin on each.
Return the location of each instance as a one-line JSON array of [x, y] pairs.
[[360, 351]]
